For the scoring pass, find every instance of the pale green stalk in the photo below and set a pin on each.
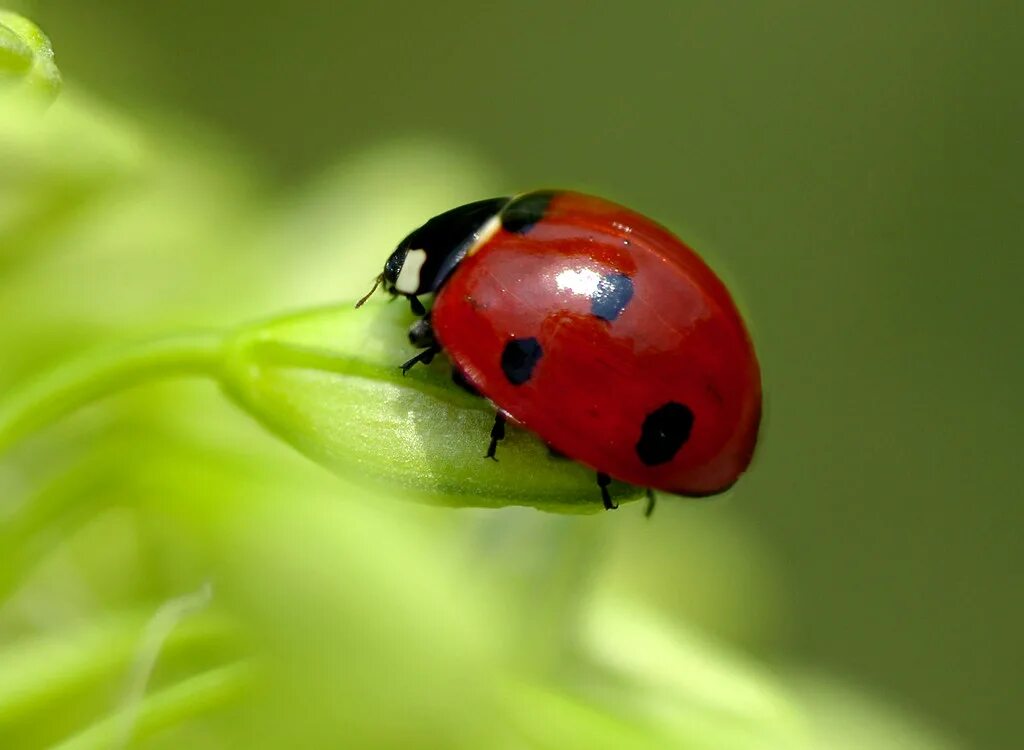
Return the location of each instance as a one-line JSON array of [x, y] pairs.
[[166, 708], [52, 396]]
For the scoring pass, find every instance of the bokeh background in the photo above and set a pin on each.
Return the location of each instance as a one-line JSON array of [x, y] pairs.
[[854, 171]]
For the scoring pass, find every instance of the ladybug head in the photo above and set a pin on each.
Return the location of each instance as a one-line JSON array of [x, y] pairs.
[[426, 257], [403, 272]]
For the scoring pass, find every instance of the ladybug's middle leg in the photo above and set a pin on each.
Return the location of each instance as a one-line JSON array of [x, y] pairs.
[[498, 430], [497, 434]]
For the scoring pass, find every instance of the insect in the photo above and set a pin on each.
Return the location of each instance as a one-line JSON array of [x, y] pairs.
[[593, 327]]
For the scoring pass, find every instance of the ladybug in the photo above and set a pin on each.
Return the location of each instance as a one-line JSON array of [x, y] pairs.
[[593, 327]]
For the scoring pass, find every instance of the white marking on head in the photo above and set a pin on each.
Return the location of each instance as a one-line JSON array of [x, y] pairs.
[[408, 281], [582, 281]]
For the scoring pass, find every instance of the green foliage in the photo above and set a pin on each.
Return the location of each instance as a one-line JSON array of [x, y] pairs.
[[328, 613]]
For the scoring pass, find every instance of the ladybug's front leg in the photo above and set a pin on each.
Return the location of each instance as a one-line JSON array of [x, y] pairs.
[[415, 305], [426, 357]]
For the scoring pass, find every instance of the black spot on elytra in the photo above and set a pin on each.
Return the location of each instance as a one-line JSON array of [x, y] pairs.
[[664, 432], [614, 292], [523, 212], [519, 358]]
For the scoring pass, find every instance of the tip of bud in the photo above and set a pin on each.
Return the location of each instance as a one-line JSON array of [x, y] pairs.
[[26, 56]]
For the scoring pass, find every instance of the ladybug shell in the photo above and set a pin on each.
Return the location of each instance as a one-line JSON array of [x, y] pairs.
[[601, 332]]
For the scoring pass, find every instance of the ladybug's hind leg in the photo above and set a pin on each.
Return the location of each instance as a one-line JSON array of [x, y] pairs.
[[603, 480], [651, 499]]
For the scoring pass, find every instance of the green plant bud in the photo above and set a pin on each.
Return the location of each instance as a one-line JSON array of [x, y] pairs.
[[26, 57], [15, 55], [329, 383]]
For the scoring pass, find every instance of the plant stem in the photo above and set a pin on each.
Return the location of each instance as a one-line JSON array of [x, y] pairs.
[[74, 385]]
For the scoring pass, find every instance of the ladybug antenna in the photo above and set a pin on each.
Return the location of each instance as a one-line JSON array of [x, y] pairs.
[[367, 296]]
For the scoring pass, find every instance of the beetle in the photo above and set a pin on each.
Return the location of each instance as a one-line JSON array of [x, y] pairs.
[[595, 328]]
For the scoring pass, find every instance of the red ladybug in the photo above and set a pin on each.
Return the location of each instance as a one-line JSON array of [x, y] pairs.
[[593, 327]]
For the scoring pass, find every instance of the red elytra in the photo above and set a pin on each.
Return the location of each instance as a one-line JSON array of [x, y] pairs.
[[595, 328]]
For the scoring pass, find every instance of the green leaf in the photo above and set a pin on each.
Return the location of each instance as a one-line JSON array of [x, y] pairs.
[[329, 383]]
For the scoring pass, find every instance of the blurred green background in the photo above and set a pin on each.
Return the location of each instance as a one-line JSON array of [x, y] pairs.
[[853, 170]]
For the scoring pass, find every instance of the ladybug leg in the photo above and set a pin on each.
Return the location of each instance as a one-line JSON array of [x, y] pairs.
[[650, 503], [426, 357], [421, 335], [497, 433], [603, 480], [416, 305]]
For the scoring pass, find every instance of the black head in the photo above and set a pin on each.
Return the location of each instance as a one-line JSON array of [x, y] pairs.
[[423, 260]]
